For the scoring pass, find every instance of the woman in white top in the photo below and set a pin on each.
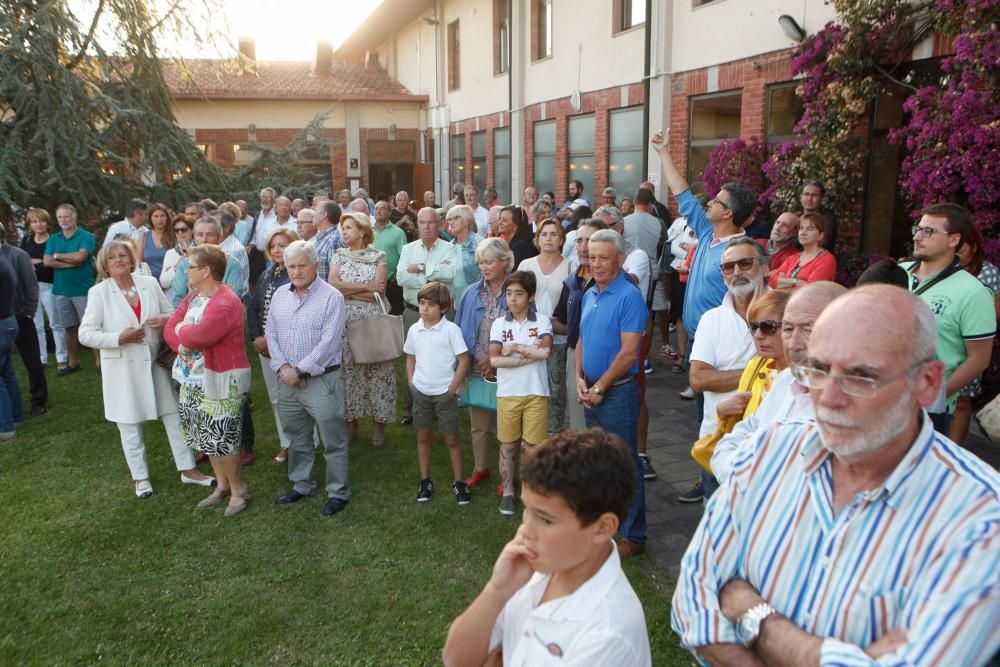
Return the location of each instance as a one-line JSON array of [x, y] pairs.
[[183, 228], [551, 269]]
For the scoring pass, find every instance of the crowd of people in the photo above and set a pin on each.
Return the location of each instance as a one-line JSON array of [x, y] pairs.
[[843, 521]]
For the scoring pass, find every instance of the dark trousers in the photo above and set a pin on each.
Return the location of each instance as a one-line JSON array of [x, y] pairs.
[[394, 293], [27, 345], [248, 436]]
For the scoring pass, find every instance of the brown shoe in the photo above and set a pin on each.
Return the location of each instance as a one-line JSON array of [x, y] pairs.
[[627, 548], [237, 503], [215, 499]]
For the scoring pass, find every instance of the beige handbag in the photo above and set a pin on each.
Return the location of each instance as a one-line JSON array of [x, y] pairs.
[[989, 419], [376, 338]]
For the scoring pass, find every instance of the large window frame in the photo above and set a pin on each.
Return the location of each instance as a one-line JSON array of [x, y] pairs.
[[627, 14], [700, 147], [454, 56], [501, 163], [458, 158], [501, 37], [581, 164], [541, 29], [774, 136], [625, 151], [544, 157], [479, 154]]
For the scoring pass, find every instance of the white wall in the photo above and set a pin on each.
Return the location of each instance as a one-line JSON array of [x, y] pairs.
[[727, 30], [480, 92], [225, 114]]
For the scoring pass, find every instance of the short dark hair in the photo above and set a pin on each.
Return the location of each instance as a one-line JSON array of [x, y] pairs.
[[643, 197], [594, 223], [133, 205], [591, 470], [958, 217], [227, 220], [208, 205], [435, 292], [332, 211], [742, 202], [579, 185], [818, 184], [523, 227], [885, 272], [525, 279]]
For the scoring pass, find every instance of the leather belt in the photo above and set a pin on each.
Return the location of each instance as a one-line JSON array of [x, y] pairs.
[[329, 369], [625, 380], [410, 306]]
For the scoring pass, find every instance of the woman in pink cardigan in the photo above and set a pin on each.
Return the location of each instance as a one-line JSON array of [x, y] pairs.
[[212, 368]]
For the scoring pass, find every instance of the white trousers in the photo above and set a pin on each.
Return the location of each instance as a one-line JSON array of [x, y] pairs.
[[134, 446], [271, 381], [47, 306]]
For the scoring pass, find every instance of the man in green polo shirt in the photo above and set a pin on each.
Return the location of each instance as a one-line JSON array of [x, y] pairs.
[[390, 239], [962, 306], [70, 256]]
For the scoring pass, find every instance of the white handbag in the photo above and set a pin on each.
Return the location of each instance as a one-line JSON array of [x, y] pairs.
[[376, 338], [989, 419]]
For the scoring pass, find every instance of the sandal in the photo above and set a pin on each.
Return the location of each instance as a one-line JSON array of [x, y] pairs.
[[235, 507], [215, 499], [280, 458]]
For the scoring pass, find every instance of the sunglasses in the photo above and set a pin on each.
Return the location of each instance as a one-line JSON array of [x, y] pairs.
[[178, 230], [767, 327], [745, 264]]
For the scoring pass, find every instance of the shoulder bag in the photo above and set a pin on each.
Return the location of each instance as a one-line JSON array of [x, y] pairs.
[[480, 393], [376, 338]]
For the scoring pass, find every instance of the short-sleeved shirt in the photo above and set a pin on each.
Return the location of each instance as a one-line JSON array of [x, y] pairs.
[[963, 311], [75, 280], [390, 240], [644, 231], [601, 623], [531, 379], [605, 315], [435, 350]]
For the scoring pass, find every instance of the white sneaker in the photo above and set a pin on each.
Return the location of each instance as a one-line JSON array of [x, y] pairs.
[[7, 435], [687, 394]]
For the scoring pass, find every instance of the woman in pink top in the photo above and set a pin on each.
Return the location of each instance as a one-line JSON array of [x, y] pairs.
[[813, 263]]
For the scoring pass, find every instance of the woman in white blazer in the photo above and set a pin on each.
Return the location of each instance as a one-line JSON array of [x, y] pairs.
[[124, 319]]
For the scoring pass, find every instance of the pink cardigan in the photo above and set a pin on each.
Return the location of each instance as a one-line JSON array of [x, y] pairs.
[[219, 335]]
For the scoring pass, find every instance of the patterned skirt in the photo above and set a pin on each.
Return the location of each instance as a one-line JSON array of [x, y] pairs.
[[211, 426]]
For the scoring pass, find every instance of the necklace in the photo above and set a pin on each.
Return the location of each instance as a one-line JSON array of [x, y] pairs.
[[129, 293]]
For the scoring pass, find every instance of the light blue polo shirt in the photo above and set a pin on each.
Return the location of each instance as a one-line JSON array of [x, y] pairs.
[[606, 315]]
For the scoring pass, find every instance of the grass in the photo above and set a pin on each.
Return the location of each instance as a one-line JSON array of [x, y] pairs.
[[92, 574]]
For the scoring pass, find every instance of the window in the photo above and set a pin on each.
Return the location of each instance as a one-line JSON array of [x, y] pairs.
[[784, 110], [545, 156], [479, 162], [628, 14], [501, 163], [713, 118], [541, 29], [625, 154], [245, 153], [501, 36], [458, 158], [454, 66], [581, 153]]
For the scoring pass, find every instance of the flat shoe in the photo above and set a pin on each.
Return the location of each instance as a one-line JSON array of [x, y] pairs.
[[334, 505], [67, 369], [143, 489], [281, 457], [208, 481], [215, 499], [292, 496], [235, 508]]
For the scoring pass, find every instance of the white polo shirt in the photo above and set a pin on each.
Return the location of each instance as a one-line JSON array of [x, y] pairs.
[[724, 343], [531, 379], [601, 624], [435, 350]]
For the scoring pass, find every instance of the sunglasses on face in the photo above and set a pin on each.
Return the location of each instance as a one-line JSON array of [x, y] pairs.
[[745, 264], [181, 230], [767, 327]]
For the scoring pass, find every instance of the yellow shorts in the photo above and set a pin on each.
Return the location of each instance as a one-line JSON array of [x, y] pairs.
[[524, 417]]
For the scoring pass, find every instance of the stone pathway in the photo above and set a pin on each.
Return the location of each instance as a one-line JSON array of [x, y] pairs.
[[672, 431]]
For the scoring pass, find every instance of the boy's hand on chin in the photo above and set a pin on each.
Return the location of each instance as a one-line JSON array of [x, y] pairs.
[[513, 568]]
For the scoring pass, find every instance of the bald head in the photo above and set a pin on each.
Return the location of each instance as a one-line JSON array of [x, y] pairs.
[[800, 315]]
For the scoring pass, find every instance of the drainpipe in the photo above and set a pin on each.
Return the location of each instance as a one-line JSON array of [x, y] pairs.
[[647, 49]]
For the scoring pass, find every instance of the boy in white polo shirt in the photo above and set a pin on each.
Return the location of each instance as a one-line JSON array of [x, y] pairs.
[[520, 343], [436, 361], [557, 595]]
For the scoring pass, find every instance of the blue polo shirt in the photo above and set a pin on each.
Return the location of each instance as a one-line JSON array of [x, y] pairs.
[[606, 315], [705, 286]]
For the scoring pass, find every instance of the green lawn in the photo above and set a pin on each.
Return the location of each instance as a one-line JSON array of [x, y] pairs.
[[92, 574]]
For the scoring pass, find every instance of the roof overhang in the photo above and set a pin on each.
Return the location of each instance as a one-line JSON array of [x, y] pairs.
[[387, 19]]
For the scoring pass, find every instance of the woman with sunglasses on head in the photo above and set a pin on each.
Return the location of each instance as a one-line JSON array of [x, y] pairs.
[[813, 263], [182, 229]]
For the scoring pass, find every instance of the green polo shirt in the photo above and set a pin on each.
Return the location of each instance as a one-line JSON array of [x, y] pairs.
[[963, 311], [390, 240], [76, 280]]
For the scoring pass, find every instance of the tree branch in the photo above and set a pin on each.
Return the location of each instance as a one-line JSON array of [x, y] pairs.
[[86, 40]]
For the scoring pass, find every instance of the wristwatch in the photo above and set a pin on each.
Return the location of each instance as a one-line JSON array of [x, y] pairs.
[[596, 389], [748, 626], [302, 374]]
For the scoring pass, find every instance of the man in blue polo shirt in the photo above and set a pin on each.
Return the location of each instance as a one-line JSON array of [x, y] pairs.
[[613, 319]]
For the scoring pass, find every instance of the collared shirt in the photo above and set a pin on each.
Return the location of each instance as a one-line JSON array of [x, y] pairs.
[[242, 230], [233, 248], [327, 243], [921, 552], [600, 624], [435, 350], [531, 379], [233, 277], [306, 332], [469, 264], [390, 240], [605, 315], [441, 263], [482, 216], [123, 228], [267, 224]]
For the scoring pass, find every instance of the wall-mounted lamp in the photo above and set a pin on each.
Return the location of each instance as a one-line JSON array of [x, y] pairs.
[[791, 28]]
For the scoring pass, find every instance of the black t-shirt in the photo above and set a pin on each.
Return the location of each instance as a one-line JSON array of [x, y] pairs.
[[37, 251], [8, 288]]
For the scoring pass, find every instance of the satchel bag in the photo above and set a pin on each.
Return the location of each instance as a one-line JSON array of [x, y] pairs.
[[989, 419], [705, 446], [376, 338], [165, 356], [480, 393]]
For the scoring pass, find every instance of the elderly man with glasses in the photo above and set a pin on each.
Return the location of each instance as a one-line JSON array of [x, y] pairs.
[[862, 537]]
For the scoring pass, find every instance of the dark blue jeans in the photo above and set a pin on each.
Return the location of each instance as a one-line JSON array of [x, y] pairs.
[[11, 408], [618, 413]]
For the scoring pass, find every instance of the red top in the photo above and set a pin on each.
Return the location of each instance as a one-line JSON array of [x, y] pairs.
[[821, 267], [137, 309]]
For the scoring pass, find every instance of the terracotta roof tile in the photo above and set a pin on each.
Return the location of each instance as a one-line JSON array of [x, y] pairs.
[[225, 79]]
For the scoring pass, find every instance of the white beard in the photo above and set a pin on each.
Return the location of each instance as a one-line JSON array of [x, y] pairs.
[[893, 422]]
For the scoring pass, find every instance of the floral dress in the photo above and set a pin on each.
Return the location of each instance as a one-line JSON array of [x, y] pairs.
[[369, 389]]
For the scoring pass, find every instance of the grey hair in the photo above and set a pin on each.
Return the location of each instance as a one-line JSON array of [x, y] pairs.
[[296, 248], [593, 223], [609, 236], [437, 217], [612, 212], [269, 189], [495, 248], [464, 211], [765, 259], [209, 220], [537, 207], [359, 202]]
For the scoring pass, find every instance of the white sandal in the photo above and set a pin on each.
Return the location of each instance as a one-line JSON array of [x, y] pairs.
[[143, 489]]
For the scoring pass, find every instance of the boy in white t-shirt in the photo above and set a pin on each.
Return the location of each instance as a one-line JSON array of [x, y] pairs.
[[520, 344], [436, 361], [557, 595]]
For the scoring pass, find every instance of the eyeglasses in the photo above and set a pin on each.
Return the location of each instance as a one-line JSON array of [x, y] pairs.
[[181, 230], [767, 327], [192, 265], [852, 385], [745, 264], [716, 200], [927, 232]]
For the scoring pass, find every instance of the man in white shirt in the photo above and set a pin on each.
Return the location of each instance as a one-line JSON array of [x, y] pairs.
[[133, 226], [233, 248], [265, 221], [482, 215]]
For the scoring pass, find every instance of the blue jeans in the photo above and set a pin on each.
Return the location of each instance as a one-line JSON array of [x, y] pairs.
[[618, 413], [11, 408]]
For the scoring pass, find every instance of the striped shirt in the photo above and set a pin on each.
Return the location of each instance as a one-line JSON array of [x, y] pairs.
[[919, 553]]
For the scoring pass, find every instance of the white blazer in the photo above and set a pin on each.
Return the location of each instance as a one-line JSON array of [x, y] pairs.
[[135, 388]]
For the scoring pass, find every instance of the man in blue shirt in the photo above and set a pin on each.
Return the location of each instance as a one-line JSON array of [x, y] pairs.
[[607, 361]]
